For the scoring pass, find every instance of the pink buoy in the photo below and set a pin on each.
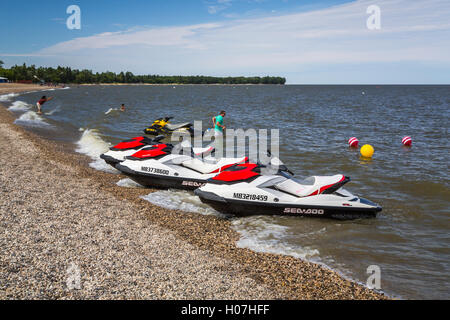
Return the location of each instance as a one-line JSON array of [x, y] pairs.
[[407, 141], [353, 142]]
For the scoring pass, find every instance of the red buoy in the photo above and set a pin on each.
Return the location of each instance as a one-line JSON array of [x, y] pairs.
[[407, 141], [353, 142]]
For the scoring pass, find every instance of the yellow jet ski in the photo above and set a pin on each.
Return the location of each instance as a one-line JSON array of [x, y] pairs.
[[163, 126]]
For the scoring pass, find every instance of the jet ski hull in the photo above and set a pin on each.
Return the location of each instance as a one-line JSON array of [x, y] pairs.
[[160, 181], [249, 208], [110, 160]]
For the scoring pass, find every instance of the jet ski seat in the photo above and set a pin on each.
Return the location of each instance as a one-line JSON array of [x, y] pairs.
[[313, 185], [210, 167]]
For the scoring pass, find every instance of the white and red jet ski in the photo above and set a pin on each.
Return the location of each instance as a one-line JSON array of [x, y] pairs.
[[118, 153], [242, 190], [164, 166]]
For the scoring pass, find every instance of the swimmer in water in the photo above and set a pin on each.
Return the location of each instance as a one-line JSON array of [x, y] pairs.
[[43, 100], [122, 108]]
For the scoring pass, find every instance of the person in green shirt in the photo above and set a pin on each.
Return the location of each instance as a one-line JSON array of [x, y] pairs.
[[218, 123], [218, 133]]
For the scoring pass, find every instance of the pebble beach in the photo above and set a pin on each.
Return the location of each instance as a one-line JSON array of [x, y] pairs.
[[59, 215]]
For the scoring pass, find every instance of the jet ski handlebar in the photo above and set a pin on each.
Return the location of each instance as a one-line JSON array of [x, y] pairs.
[[158, 138], [283, 168]]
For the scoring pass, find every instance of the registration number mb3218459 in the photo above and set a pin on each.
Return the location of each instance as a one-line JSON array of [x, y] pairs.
[[248, 196]]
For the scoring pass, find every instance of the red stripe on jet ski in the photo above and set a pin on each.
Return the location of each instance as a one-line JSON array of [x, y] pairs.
[[155, 151], [229, 165], [237, 175], [130, 144]]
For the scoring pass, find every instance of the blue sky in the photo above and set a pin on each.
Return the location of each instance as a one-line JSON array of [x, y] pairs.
[[306, 41]]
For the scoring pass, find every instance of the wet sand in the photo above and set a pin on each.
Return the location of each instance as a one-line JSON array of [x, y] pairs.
[[56, 210], [17, 87]]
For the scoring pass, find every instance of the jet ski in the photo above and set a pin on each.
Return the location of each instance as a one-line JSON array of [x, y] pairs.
[[118, 153], [242, 190], [163, 126], [163, 166]]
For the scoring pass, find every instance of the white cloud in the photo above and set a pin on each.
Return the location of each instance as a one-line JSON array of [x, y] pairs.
[[215, 6], [415, 31], [169, 36]]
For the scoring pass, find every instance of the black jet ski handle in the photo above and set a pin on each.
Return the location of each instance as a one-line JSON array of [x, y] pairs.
[[283, 167]]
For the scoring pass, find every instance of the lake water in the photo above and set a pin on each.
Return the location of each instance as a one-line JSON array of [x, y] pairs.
[[409, 240]]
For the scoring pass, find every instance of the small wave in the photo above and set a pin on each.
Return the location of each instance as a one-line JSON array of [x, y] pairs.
[[92, 145], [260, 234], [32, 119], [57, 109], [54, 89], [128, 183], [19, 106], [179, 200], [8, 97], [111, 110]]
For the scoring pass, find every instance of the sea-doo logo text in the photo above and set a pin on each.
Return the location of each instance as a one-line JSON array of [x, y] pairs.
[[246, 196], [304, 211], [155, 170], [193, 184]]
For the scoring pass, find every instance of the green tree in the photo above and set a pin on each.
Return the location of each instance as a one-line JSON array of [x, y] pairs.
[[67, 75]]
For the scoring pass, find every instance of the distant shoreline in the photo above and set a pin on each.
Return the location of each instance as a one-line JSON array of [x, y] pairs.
[[69, 75], [173, 84], [254, 84]]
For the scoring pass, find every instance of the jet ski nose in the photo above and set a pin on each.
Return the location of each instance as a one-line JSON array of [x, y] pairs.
[[376, 206]]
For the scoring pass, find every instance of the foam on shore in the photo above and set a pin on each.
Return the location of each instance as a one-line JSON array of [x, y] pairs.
[[260, 234], [128, 183], [179, 200], [18, 106], [92, 145], [8, 97], [32, 119]]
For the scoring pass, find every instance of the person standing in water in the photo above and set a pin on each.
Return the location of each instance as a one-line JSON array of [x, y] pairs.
[[122, 107], [43, 100], [218, 133], [218, 124]]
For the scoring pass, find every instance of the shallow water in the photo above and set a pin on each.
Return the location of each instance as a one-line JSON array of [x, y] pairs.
[[410, 238]]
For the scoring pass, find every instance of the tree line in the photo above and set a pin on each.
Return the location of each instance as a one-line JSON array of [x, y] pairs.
[[68, 75]]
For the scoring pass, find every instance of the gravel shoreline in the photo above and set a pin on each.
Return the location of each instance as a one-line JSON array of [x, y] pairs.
[[56, 210]]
